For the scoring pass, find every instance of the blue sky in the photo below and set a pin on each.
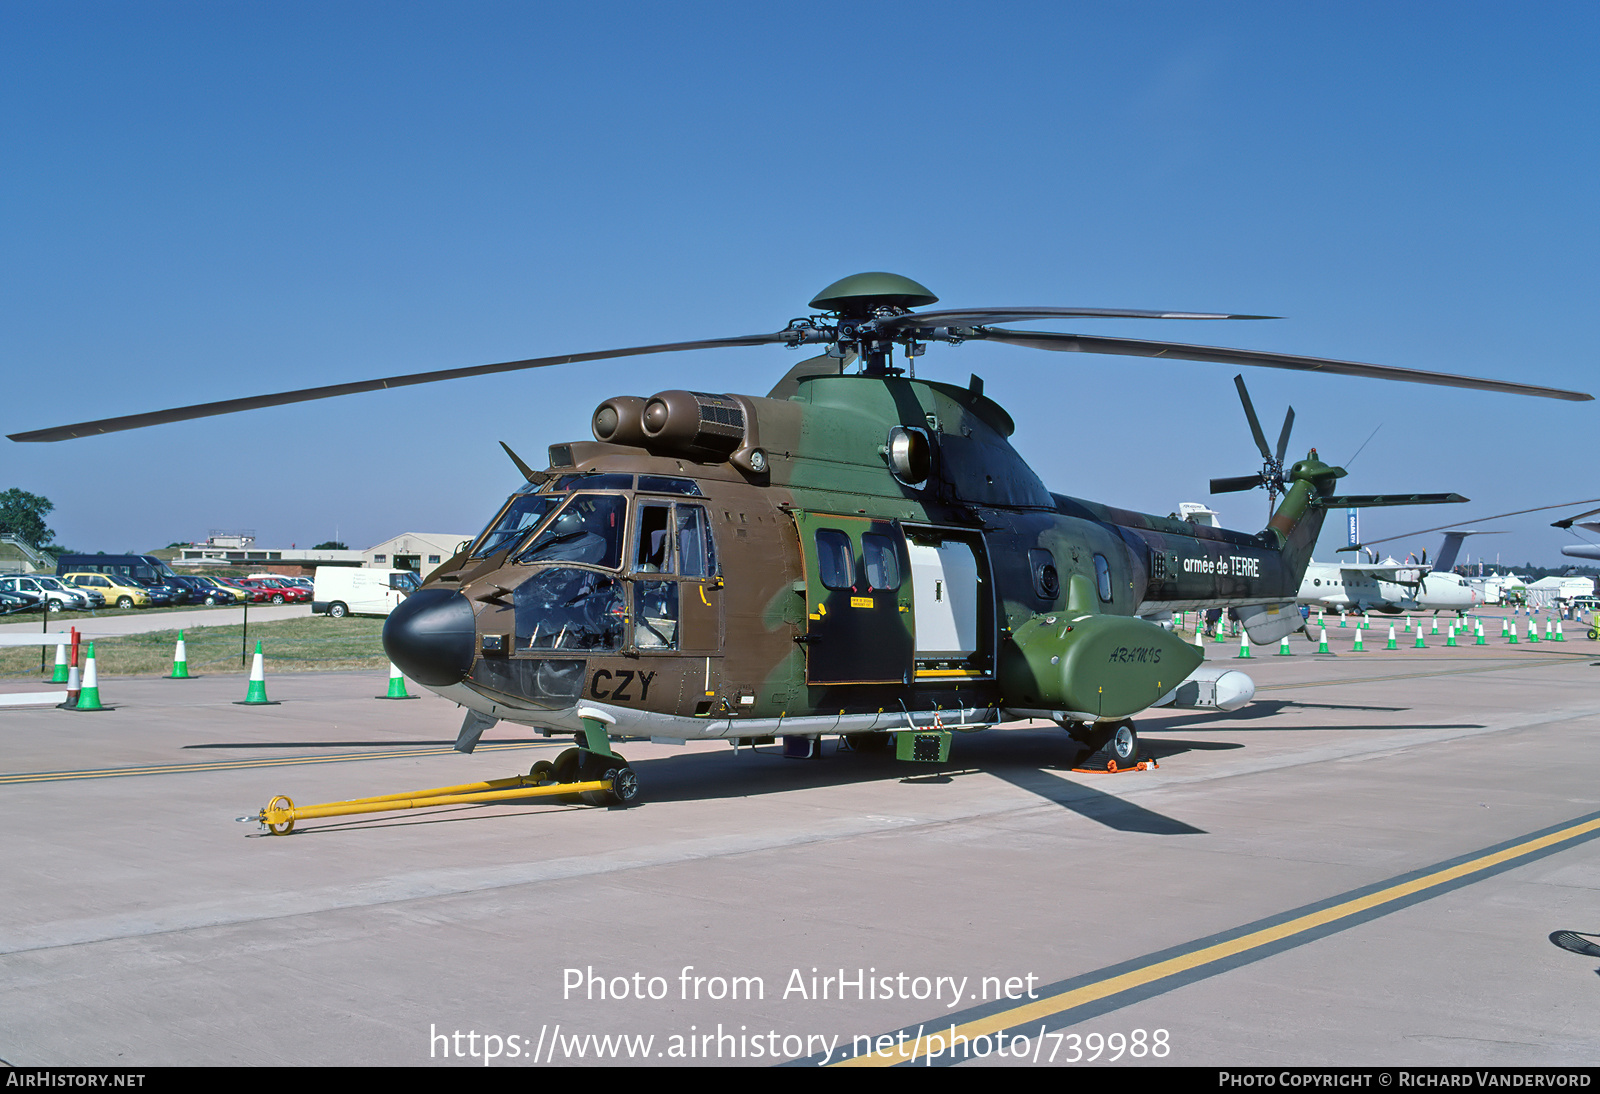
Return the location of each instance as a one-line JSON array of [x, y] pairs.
[[212, 200]]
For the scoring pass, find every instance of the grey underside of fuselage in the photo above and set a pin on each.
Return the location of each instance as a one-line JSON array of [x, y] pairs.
[[629, 722]]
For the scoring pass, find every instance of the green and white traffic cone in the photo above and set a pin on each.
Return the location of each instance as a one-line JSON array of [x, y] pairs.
[[1322, 643], [1407, 629], [1533, 630], [1505, 626], [1366, 621], [1358, 647], [1435, 625], [1341, 619], [397, 685], [89, 697], [1200, 639], [1479, 632], [1421, 642], [1283, 648], [1222, 632], [60, 675], [1244, 646], [1559, 636], [1549, 631], [180, 661], [1513, 634], [1452, 639], [1390, 645], [256, 694]]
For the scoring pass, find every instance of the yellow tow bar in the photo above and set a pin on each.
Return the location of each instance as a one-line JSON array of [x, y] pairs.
[[281, 812]]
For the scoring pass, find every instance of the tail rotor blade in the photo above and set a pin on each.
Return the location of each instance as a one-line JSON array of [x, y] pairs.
[[1250, 413], [1237, 483]]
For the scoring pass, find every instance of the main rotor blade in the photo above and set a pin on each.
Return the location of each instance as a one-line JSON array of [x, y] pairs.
[[1250, 414], [1474, 520], [1236, 483], [1138, 347], [1283, 438], [1567, 522], [958, 317], [232, 406]]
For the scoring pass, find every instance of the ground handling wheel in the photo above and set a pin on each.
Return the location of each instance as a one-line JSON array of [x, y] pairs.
[[283, 829], [595, 767], [1113, 747]]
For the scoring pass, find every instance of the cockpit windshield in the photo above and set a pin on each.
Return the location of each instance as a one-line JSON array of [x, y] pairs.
[[520, 517], [588, 529]]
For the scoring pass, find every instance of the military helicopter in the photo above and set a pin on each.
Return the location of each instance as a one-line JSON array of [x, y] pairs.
[[858, 553]]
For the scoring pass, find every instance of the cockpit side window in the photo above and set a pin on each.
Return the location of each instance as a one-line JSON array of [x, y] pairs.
[[588, 529], [697, 554], [653, 545], [521, 515]]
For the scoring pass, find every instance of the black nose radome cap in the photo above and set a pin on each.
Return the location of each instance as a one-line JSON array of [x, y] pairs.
[[431, 636]]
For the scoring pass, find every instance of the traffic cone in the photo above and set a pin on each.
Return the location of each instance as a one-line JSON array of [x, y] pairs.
[[1200, 639], [1283, 648], [60, 675], [1322, 644], [1505, 626], [1513, 634], [1408, 625], [1341, 619], [89, 697], [1421, 643], [1435, 625], [1222, 632], [397, 685], [1559, 636], [1358, 647], [74, 690], [180, 661], [1244, 646], [1452, 639], [256, 694], [1533, 630], [1549, 631], [1390, 645], [1480, 641]]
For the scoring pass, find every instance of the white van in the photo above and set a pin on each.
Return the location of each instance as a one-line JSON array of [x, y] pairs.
[[355, 590]]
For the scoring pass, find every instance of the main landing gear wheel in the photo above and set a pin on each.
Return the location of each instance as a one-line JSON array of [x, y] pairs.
[[1113, 747]]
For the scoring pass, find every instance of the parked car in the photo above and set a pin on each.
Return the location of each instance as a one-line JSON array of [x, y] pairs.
[[97, 599], [19, 602], [58, 597], [116, 590], [212, 590]]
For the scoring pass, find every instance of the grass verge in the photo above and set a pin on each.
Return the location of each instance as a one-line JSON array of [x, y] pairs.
[[312, 644]]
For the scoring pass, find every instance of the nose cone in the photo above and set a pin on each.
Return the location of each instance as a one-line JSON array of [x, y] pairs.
[[431, 636]]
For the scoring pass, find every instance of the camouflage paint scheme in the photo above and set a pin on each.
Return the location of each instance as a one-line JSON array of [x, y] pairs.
[[788, 651]]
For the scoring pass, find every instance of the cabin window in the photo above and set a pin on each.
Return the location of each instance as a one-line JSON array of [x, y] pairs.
[[1102, 573], [881, 561], [835, 559]]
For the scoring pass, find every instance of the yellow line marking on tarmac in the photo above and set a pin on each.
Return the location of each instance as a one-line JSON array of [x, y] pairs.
[[241, 765], [1044, 1008]]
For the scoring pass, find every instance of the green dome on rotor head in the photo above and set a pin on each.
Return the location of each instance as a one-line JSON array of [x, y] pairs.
[[858, 294]]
